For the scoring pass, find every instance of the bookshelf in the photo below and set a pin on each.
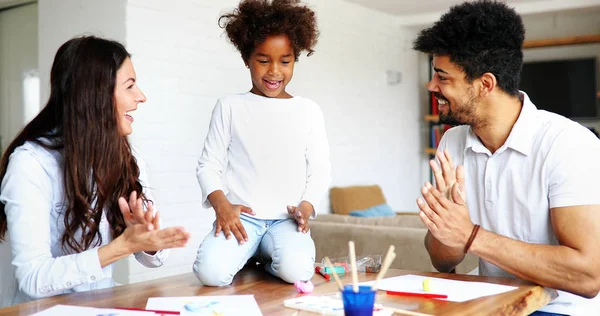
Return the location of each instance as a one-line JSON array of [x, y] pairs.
[[430, 151], [432, 119], [436, 130], [563, 41]]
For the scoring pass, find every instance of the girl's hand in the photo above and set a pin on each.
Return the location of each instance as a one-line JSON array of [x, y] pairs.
[[228, 221], [301, 213], [133, 211]]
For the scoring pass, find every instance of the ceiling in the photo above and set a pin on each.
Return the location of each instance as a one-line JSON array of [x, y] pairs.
[[425, 12], [409, 7], [11, 3]]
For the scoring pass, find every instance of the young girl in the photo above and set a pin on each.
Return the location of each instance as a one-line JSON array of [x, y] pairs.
[[272, 148], [66, 177]]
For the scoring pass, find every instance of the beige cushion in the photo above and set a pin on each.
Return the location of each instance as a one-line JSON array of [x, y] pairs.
[[348, 199]]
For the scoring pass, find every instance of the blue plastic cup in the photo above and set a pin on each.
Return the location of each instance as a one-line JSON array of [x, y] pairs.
[[360, 303]]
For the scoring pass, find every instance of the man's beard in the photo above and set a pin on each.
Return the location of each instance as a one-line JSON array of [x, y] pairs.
[[450, 119], [464, 116]]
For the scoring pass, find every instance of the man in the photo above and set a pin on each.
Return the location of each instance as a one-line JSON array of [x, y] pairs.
[[526, 176]]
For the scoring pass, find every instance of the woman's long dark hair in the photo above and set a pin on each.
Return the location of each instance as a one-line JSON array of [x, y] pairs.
[[80, 120]]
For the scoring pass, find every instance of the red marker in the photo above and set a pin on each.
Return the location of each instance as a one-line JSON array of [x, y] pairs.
[[150, 310], [321, 271], [424, 295]]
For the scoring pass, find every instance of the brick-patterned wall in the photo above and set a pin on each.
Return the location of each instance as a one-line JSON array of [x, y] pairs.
[[184, 63]]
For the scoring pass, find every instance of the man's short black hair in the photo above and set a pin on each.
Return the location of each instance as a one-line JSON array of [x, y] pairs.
[[481, 36]]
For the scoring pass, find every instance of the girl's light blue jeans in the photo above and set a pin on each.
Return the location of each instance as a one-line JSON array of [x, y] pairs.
[[285, 252]]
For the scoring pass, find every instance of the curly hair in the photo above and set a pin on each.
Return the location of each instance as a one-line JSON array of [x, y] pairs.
[[481, 36], [253, 21]]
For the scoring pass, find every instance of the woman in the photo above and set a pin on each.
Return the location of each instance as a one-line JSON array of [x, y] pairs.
[[72, 200]]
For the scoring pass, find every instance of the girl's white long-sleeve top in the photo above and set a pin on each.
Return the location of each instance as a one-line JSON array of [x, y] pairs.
[[265, 153], [32, 262]]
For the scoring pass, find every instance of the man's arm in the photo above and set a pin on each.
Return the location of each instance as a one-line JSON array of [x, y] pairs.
[[443, 258], [572, 266]]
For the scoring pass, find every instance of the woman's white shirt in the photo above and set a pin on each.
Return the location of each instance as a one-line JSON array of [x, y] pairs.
[[33, 263]]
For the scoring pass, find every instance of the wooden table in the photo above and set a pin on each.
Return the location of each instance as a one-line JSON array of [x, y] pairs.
[[270, 293]]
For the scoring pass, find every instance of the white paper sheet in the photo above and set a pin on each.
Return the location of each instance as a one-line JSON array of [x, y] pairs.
[[226, 305], [457, 291], [62, 310]]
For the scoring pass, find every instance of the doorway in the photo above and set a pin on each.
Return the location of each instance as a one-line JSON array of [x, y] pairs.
[[19, 79]]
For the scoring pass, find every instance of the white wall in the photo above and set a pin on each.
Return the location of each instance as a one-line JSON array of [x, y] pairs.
[[565, 24], [184, 63], [18, 61], [62, 20], [373, 127]]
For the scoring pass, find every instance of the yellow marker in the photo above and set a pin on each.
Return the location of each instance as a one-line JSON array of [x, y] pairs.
[[427, 285]]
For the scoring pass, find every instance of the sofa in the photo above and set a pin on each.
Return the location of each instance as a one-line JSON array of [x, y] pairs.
[[373, 235]]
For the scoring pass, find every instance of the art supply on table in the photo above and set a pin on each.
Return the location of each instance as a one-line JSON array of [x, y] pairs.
[[417, 294], [61, 310], [329, 304], [322, 272], [341, 264], [335, 276], [373, 268], [358, 300], [323, 305], [304, 286], [205, 308], [148, 310], [364, 263], [358, 303], [222, 305], [427, 285], [457, 291], [339, 270], [352, 253], [387, 262]]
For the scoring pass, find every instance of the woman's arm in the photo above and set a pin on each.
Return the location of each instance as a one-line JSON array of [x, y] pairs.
[[26, 192]]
